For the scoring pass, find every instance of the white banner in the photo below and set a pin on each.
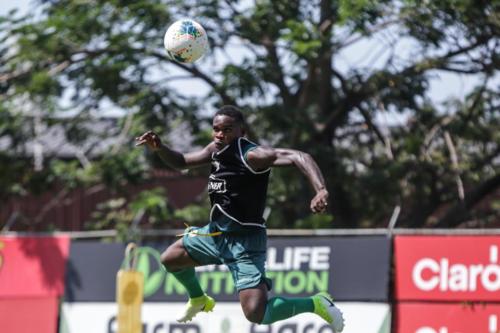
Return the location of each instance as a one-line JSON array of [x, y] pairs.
[[226, 318]]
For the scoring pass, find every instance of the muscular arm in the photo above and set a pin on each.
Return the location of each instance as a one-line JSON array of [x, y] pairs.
[[179, 161], [304, 162], [173, 158], [263, 158]]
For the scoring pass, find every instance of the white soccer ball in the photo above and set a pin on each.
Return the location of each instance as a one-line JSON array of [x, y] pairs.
[[185, 41]]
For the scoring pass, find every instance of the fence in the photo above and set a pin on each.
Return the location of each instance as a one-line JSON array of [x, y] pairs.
[[402, 281]]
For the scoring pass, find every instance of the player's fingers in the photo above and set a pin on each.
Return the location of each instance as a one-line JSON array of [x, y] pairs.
[[312, 207], [322, 206], [148, 134], [316, 208]]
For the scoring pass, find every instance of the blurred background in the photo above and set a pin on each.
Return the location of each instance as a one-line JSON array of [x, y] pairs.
[[397, 101]]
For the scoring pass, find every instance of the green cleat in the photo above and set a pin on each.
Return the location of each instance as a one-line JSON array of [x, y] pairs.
[[203, 303], [324, 307]]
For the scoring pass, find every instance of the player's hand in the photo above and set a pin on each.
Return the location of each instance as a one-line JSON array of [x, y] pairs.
[[151, 139], [320, 201]]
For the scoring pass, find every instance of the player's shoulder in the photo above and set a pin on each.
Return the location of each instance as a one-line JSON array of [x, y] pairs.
[[262, 155], [260, 159], [245, 143], [262, 152]]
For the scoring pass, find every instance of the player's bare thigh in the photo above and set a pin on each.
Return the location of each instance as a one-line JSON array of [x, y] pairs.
[[175, 257]]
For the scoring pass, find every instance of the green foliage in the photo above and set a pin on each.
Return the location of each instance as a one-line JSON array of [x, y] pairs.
[[304, 39], [285, 65], [317, 221], [112, 214], [125, 215], [118, 170], [72, 174], [194, 214], [154, 204], [361, 15]]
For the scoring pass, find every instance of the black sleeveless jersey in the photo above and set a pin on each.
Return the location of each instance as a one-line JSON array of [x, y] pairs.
[[236, 191]]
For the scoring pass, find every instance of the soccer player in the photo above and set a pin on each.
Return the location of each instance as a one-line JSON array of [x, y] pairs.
[[236, 234]]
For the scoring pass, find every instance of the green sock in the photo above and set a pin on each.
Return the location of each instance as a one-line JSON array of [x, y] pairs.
[[279, 308], [187, 277]]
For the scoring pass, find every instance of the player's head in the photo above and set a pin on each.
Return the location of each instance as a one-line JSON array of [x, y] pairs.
[[228, 124]]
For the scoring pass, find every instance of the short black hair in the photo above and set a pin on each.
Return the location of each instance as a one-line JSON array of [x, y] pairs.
[[233, 112]]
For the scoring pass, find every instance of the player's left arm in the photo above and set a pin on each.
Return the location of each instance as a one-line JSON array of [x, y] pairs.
[[262, 158]]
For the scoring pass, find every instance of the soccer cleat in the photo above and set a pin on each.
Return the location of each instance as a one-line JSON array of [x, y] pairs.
[[324, 307], [203, 303]]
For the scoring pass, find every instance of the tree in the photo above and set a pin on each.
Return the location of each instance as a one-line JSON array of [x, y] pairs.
[[87, 56]]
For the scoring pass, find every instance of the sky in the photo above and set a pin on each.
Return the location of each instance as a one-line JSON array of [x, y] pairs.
[[7, 5]]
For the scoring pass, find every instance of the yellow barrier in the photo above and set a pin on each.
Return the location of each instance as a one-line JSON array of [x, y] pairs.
[[129, 293]]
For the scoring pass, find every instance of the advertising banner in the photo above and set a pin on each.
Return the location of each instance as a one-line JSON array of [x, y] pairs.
[[29, 315], [32, 266], [226, 318], [447, 268], [91, 271], [351, 268], [447, 318]]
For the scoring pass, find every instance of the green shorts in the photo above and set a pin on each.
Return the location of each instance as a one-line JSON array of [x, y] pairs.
[[243, 253]]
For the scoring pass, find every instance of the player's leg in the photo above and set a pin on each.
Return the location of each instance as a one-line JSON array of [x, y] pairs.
[[180, 259], [249, 255], [261, 310], [280, 308], [253, 302], [246, 258], [258, 309], [177, 262]]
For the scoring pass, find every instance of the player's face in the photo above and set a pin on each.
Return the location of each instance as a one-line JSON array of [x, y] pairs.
[[225, 129]]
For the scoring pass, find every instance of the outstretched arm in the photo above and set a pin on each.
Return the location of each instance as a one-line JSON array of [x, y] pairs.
[[263, 158], [172, 158]]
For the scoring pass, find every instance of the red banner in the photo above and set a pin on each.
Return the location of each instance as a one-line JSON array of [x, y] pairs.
[[29, 315], [447, 268], [32, 266], [447, 318]]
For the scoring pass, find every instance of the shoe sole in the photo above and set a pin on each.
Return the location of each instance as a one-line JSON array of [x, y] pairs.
[[329, 298]]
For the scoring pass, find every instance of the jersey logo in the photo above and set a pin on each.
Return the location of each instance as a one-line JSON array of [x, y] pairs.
[[216, 185]]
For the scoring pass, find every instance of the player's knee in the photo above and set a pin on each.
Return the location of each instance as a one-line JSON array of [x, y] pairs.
[[166, 261], [254, 312], [169, 260], [254, 316]]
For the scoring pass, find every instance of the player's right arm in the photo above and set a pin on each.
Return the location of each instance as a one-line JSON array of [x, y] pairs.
[[172, 158]]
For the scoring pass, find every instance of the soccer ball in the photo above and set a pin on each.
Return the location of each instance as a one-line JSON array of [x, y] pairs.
[[185, 41]]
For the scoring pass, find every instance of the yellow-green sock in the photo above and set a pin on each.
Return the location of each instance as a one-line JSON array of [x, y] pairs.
[[279, 308], [187, 277]]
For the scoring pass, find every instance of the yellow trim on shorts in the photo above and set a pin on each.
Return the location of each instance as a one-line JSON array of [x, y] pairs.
[[192, 232]]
